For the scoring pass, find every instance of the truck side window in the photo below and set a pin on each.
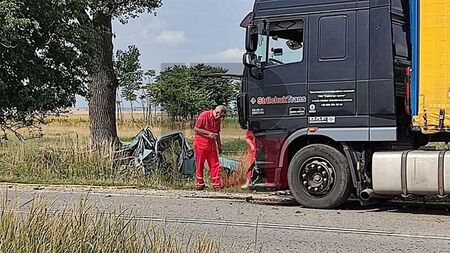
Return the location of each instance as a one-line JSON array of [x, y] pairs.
[[333, 29], [285, 42]]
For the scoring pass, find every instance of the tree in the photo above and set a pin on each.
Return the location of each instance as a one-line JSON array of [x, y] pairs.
[[173, 89], [9, 15], [221, 91], [48, 48], [146, 96], [103, 81], [129, 73], [43, 60], [184, 91]]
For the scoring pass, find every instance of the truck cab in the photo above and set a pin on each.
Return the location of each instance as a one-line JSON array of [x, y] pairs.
[[326, 90]]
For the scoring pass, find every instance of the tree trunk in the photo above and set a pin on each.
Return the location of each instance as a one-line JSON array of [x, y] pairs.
[[132, 110], [121, 112], [118, 111], [119, 116], [149, 116], [173, 122], [144, 110], [102, 89]]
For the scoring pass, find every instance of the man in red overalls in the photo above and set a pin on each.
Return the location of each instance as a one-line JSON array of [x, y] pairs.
[[207, 146]]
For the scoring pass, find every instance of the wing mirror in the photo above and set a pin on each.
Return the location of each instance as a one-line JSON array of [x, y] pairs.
[[250, 60], [251, 43]]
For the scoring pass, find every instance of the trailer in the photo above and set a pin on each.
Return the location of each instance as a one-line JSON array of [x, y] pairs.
[[345, 96]]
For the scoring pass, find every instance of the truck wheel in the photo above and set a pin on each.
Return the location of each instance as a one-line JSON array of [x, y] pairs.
[[319, 177]]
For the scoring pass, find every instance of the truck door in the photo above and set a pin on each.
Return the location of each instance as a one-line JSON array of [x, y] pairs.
[[280, 92], [332, 68]]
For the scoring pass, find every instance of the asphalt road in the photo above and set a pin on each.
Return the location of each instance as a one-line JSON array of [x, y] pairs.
[[267, 223]]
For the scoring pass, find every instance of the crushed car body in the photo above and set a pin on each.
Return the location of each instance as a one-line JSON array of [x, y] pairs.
[[169, 153]]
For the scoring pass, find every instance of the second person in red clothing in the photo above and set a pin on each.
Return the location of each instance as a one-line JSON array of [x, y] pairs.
[[251, 142], [207, 146]]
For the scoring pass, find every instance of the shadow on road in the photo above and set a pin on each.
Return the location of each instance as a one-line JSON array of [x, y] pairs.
[[412, 207], [399, 206]]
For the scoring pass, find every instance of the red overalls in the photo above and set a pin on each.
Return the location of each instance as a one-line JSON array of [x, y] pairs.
[[252, 154], [206, 149]]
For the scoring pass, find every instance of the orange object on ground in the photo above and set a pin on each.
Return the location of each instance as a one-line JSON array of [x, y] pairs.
[[250, 138]]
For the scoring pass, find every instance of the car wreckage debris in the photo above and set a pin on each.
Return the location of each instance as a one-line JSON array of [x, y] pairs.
[[170, 154]]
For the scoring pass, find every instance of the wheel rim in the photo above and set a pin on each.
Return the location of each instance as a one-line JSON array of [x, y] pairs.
[[317, 176]]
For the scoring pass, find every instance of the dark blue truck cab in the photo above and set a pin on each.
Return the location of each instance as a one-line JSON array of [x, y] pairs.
[[326, 87]]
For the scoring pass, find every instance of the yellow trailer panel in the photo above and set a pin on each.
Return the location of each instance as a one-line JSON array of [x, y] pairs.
[[434, 66]]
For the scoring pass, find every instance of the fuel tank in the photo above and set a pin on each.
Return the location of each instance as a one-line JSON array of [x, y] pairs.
[[411, 172]]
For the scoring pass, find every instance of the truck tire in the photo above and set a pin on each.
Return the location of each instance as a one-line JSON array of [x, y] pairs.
[[319, 177]]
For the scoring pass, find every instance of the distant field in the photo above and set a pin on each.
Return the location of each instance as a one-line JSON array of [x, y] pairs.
[[77, 122]]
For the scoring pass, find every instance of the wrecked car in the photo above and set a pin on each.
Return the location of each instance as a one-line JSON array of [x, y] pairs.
[[169, 153]]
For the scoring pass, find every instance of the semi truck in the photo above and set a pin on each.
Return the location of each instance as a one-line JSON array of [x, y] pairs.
[[348, 97]]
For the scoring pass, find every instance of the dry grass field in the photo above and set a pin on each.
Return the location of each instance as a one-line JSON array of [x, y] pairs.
[[35, 227], [60, 153]]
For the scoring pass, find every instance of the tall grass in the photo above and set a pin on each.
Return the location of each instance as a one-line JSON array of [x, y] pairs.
[[63, 156], [83, 229], [69, 160]]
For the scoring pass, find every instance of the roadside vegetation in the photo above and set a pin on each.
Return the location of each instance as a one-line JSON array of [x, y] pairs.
[[61, 154], [52, 52], [34, 227]]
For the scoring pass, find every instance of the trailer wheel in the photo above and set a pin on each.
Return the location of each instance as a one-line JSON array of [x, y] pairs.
[[319, 177]]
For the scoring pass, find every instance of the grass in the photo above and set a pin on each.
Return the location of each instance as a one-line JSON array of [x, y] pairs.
[[83, 229], [65, 160], [63, 156]]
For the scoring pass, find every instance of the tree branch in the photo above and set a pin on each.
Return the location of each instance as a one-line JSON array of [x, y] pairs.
[[7, 46], [12, 130], [86, 19]]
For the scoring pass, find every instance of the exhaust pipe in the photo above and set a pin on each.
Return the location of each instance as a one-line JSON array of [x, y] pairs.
[[368, 194]]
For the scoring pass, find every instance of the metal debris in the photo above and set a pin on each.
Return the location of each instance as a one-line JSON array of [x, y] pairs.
[[170, 154]]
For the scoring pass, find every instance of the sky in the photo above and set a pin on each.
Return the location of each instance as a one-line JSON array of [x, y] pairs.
[[186, 31]]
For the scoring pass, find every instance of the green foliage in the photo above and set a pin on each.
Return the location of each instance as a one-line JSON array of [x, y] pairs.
[[150, 73], [220, 91], [129, 72], [44, 59], [51, 49], [184, 91], [122, 9], [10, 22], [98, 15]]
